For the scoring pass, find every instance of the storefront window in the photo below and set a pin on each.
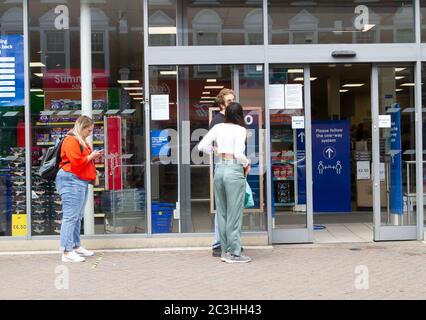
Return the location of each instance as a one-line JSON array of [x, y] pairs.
[[181, 177], [206, 23], [117, 72], [341, 21], [13, 207]]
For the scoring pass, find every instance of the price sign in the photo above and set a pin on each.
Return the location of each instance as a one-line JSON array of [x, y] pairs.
[[19, 225]]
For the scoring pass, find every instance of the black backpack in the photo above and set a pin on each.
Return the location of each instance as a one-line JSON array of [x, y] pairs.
[[50, 163]]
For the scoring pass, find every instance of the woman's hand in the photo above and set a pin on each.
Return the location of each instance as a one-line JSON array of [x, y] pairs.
[[95, 155], [247, 170]]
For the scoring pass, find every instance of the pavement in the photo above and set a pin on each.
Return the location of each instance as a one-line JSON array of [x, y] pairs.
[[381, 270]]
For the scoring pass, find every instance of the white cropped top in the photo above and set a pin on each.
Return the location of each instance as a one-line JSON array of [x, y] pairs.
[[230, 138]]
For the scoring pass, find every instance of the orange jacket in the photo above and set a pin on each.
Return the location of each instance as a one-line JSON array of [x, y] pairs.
[[76, 161]]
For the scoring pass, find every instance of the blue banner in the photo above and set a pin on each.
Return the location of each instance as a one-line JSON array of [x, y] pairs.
[[11, 70], [396, 205], [331, 166], [301, 166]]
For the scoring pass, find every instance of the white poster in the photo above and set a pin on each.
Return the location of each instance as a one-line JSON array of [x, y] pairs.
[[363, 170], [384, 121], [276, 96], [293, 96], [160, 107]]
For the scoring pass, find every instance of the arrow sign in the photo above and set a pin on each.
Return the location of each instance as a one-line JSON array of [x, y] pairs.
[[329, 152], [301, 135]]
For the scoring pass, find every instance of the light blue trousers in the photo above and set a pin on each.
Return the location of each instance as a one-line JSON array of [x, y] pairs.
[[73, 193], [229, 189]]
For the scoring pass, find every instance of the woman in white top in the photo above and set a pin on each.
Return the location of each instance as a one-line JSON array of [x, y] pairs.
[[229, 179]]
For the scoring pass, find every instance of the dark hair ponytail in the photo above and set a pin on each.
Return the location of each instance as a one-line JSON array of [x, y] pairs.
[[234, 114]]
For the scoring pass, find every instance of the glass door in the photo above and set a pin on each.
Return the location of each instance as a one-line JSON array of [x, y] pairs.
[[394, 156], [289, 106]]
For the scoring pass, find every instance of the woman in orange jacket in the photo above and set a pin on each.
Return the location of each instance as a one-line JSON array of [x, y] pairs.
[[77, 171]]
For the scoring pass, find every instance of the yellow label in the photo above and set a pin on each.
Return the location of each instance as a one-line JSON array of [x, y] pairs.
[[19, 225]]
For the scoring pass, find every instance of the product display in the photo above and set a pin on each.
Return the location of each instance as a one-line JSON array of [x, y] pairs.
[[283, 164]]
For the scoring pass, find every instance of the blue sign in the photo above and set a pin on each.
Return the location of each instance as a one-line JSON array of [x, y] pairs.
[[301, 166], [331, 166], [396, 205], [159, 143], [11, 70]]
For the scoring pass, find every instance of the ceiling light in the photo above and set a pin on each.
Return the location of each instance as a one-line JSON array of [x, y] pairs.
[[162, 30], [301, 79], [399, 69], [168, 73], [399, 77], [36, 65], [136, 94], [207, 97], [211, 80], [408, 84], [398, 90], [137, 98], [348, 65], [353, 85], [40, 95], [213, 87], [133, 88], [343, 90], [127, 81], [206, 92], [40, 75], [36, 90], [207, 101], [295, 70], [332, 65]]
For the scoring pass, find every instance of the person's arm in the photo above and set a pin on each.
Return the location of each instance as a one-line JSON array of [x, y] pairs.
[[240, 146], [206, 144], [74, 154]]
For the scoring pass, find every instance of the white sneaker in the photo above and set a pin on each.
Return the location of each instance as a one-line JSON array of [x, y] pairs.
[[84, 252], [72, 257]]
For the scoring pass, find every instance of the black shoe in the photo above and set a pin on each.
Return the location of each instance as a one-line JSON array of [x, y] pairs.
[[242, 249], [217, 252]]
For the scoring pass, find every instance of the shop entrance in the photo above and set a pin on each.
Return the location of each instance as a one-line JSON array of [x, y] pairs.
[[342, 153]]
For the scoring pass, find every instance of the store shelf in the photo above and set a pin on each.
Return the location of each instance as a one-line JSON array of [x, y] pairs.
[[283, 179], [49, 124], [47, 143], [284, 204]]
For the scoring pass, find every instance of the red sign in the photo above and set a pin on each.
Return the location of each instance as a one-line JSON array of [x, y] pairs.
[[113, 153], [71, 79]]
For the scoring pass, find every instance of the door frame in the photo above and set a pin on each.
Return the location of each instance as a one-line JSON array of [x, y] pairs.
[[293, 235], [384, 232]]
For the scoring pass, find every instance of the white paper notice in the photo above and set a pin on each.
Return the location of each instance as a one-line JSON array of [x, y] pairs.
[[298, 122], [276, 96], [384, 121], [382, 171], [293, 96], [160, 107], [363, 170]]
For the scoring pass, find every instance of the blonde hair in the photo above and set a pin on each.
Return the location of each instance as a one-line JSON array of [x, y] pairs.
[[82, 123], [220, 98]]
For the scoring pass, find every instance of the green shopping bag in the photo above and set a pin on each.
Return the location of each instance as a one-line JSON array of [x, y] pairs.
[[248, 197]]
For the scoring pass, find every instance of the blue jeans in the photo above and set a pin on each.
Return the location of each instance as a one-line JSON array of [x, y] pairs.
[[73, 193]]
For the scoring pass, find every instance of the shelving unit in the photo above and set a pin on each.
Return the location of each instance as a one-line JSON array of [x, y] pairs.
[[50, 126], [283, 164]]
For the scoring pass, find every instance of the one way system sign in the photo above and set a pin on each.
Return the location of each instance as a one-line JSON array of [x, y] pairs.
[[331, 166]]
